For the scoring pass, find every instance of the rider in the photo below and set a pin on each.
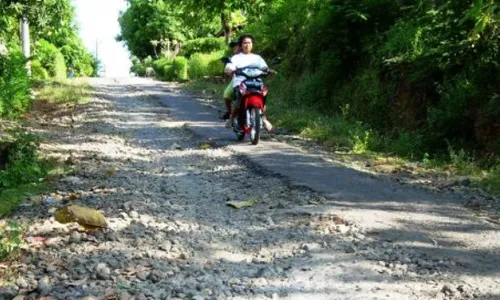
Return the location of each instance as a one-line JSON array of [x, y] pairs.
[[228, 92], [242, 60]]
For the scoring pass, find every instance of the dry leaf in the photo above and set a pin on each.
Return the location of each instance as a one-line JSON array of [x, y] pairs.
[[242, 204], [78, 283], [205, 146]]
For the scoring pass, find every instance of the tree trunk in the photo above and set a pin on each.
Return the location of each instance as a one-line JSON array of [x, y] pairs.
[[25, 38], [3, 49], [224, 18]]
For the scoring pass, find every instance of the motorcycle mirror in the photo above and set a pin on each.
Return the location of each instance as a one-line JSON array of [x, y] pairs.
[[226, 60]]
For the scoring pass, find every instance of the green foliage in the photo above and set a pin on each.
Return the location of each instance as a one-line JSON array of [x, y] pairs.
[[406, 77], [180, 68], [429, 68], [159, 66], [175, 69], [169, 69], [203, 45], [491, 182], [407, 145], [149, 28], [201, 65], [10, 239], [51, 59], [38, 72], [156, 27], [14, 85], [51, 20], [96, 66], [22, 163], [21, 169]]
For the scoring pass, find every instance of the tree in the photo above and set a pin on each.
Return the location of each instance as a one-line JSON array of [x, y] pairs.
[[222, 9], [50, 20], [150, 26]]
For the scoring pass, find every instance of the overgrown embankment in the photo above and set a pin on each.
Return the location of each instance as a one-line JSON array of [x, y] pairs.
[[414, 80], [56, 53], [23, 168]]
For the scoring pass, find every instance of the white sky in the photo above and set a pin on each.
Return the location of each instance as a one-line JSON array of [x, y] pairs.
[[98, 21]]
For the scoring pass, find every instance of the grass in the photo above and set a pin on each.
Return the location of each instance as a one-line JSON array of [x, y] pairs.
[[358, 142], [211, 87], [12, 198], [63, 91]]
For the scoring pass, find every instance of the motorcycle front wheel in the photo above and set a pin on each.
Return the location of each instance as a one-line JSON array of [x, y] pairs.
[[256, 122]]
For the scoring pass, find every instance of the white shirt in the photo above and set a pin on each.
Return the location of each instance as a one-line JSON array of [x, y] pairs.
[[242, 60]]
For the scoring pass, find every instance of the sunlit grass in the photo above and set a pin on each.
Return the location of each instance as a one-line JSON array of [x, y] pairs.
[[63, 91]]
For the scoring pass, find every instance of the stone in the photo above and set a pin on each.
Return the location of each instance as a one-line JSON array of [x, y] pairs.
[[102, 271], [73, 180], [75, 237], [462, 288], [447, 290], [165, 245], [22, 283], [234, 281], [359, 236], [341, 228], [143, 276], [465, 182], [44, 287], [7, 292]]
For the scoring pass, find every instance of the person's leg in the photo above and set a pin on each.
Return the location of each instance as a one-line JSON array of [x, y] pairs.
[[267, 125], [235, 107], [228, 95]]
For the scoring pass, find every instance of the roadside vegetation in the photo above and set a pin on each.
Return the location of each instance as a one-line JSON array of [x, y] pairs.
[[413, 80], [56, 51]]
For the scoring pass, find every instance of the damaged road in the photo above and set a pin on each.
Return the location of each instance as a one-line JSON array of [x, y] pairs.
[[162, 169]]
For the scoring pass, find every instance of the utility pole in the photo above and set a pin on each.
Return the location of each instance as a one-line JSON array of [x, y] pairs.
[[97, 48], [25, 38]]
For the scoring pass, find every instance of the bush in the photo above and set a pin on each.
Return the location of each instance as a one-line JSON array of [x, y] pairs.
[[203, 45], [76, 56], [180, 67], [20, 169], [14, 85], [201, 65], [51, 59], [38, 72], [11, 239], [172, 69], [139, 69], [159, 66], [22, 164]]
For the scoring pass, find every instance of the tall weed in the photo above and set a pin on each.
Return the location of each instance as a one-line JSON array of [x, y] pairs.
[[14, 85]]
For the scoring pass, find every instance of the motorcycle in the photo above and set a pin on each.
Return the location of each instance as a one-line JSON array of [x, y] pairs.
[[252, 91]]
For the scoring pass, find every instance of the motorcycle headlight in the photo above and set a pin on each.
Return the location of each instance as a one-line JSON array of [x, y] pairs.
[[252, 72]]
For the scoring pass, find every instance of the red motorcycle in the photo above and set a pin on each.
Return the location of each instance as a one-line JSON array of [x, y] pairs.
[[253, 92]]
